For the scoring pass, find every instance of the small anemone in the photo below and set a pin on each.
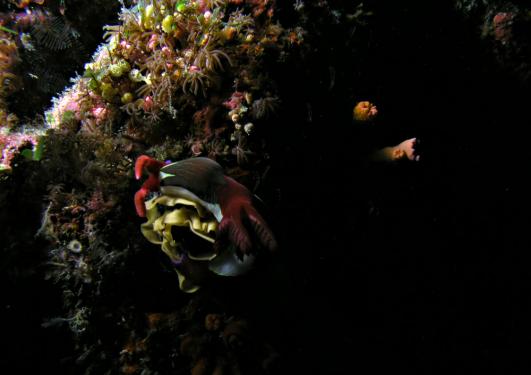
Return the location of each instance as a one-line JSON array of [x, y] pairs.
[[133, 108], [53, 33], [145, 90], [194, 81], [265, 107], [211, 59], [75, 246], [215, 3], [112, 31], [162, 90], [240, 21]]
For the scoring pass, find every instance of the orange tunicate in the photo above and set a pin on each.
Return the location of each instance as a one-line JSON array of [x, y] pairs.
[[229, 32], [213, 322], [178, 33], [26, 3], [154, 319], [364, 111]]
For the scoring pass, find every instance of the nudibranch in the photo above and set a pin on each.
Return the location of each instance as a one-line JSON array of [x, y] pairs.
[[195, 194]]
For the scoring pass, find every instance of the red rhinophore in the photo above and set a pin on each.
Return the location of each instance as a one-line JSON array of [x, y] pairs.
[[140, 197], [152, 166]]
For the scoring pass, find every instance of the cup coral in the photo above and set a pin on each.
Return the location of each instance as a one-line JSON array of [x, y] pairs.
[[364, 111]]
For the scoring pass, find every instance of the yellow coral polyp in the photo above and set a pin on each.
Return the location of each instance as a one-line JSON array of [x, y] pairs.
[[249, 38], [204, 40], [180, 7], [136, 76], [176, 74], [119, 69], [107, 91], [115, 70], [167, 24], [148, 19], [127, 98], [149, 10]]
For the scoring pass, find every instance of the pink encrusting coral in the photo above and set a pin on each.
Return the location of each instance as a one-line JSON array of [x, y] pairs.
[[235, 100], [12, 138], [502, 26], [80, 103], [11, 144], [9, 81]]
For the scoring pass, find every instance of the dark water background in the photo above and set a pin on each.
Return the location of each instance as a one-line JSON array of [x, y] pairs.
[[437, 277], [419, 267]]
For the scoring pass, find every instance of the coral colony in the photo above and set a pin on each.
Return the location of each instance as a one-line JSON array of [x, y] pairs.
[[167, 55], [184, 78]]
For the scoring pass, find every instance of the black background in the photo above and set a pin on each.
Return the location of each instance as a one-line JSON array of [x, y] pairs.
[[419, 267]]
